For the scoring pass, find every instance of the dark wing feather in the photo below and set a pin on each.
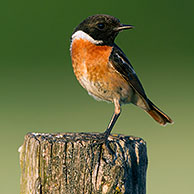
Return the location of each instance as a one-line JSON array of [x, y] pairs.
[[123, 66]]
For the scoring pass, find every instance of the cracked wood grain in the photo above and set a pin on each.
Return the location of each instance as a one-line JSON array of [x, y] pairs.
[[77, 163]]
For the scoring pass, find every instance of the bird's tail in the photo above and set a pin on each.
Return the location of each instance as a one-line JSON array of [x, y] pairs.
[[158, 115]]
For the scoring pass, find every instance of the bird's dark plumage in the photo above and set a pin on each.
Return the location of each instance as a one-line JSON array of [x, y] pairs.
[[124, 67]]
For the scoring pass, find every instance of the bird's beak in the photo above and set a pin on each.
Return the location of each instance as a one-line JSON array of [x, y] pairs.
[[124, 27]]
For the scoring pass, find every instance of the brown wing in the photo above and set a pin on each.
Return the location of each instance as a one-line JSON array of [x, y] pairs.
[[123, 66]]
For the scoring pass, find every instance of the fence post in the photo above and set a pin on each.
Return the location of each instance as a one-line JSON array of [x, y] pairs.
[[79, 163]]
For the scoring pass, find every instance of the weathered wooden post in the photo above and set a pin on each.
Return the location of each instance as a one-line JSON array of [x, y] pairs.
[[77, 163]]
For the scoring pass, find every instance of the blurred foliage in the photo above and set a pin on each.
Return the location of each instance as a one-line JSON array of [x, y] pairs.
[[39, 92]]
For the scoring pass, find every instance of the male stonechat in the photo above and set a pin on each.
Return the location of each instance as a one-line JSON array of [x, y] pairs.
[[103, 69]]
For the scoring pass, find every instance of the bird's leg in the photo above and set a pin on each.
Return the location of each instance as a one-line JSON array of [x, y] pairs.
[[111, 124], [113, 119]]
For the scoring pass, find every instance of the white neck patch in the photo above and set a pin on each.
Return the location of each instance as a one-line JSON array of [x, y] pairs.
[[82, 35]]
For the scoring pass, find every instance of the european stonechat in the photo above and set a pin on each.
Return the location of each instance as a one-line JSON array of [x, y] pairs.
[[103, 69]]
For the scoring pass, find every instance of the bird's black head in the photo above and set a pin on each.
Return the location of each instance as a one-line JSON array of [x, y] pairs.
[[102, 28]]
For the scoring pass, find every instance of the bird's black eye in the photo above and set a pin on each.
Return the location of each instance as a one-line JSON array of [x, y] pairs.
[[101, 26]]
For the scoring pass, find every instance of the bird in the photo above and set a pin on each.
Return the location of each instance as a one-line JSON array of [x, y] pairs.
[[103, 69]]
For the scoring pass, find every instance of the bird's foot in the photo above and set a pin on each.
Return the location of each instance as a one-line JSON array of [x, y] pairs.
[[102, 138], [102, 141]]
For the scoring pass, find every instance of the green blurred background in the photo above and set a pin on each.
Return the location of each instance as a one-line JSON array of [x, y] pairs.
[[39, 92]]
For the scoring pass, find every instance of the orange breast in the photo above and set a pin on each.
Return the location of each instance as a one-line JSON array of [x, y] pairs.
[[87, 58], [94, 72]]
